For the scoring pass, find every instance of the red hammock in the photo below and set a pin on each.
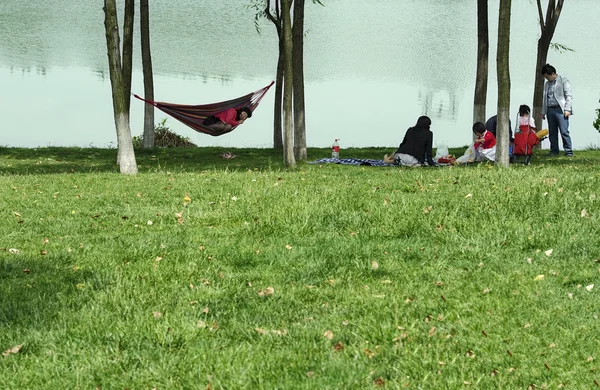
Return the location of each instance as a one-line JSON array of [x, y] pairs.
[[194, 116]]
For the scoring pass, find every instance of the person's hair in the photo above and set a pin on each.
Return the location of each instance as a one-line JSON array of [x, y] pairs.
[[423, 122], [524, 110], [478, 128], [247, 110], [548, 69]]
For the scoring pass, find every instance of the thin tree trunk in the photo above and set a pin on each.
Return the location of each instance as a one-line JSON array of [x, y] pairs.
[[126, 155], [483, 44], [277, 116], [298, 69], [128, 20], [277, 127], [148, 77], [502, 64], [547, 27], [288, 120]]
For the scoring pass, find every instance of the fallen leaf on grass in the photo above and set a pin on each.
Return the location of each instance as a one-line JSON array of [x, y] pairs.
[[470, 354], [439, 284], [186, 200], [12, 350], [468, 196], [14, 251], [310, 374], [590, 287], [374, 265], [584, 214], [539, 277], [432, 331], [44, 241], [570, 295], [548, 252], [529, 260], [201, 324], [590, 359], [386, 282], [179, 217], [486, 290], [338, 347], [266, 292], [261, 331], [328, 335], [43, 252], [288, 247], [157, 314], [379, 382], [205, 310]]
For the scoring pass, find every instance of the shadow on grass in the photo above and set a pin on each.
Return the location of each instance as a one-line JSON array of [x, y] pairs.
[[32, 292]]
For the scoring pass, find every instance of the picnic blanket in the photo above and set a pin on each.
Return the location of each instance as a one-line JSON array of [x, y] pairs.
[[353, 161]]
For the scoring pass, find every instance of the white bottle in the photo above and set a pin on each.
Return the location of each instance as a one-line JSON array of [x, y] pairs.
[[335, 149]]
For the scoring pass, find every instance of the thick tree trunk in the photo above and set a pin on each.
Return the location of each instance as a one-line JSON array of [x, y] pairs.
[[538, 89], [483, 44], [288, 124], [298, 70], [148, 77], [126, 155], [277, 128], [502, 64], [547, 28]]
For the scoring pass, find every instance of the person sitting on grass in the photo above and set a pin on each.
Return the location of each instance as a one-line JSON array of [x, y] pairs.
[[485, 144], [416, 146], [225, 120]]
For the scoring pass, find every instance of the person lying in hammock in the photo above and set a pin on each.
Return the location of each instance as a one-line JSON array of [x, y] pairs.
[[225, 120]]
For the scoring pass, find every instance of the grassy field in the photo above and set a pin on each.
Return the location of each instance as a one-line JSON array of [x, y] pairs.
[[204, 273]]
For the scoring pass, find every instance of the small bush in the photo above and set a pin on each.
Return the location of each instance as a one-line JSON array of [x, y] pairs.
[[596, 123], [165, 138]]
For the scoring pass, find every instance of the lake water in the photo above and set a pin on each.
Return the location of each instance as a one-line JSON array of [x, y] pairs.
[[370, 70]]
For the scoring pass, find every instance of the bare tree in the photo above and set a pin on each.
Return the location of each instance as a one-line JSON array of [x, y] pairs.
[[502, 64], [298, 68], [148, 77], [547, 26], [288, 124], [120, 79], [277, 109], [483, 44]]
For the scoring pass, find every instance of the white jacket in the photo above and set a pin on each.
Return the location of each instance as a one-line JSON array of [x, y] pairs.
[[563, 93]]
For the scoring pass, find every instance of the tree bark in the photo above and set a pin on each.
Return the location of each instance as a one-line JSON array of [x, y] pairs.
[[298, 82], [288, 124], [277, 109], [502, 64], [483, 44], [277, 127], [120, 94], [547, 28], [148, 77]]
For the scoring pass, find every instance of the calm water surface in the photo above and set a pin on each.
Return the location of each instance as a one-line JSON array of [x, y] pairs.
[[370, 70]]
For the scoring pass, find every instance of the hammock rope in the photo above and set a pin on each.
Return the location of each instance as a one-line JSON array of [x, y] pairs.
[[193, 116]]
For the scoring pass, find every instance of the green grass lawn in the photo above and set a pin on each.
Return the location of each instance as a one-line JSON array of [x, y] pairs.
[[225, 274]]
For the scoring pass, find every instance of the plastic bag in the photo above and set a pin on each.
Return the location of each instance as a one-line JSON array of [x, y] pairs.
[[469, 156], [441, 151]]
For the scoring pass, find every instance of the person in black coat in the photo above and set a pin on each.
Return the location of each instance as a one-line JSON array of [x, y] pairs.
[[416, 146]]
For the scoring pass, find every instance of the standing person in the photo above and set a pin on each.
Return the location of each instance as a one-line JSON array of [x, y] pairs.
[[557, 107], [485, 144], [225, 120], [416, 147]]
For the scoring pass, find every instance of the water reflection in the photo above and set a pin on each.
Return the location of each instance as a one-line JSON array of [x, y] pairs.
[[371, 71]]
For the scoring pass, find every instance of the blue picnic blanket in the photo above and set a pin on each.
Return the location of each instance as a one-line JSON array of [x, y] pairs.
[[353, 161]]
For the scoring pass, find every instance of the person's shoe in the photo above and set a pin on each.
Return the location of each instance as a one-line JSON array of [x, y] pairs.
[[552, 154], [569, 154]]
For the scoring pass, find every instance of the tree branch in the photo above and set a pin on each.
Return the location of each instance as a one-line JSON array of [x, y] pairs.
[[540, 15]]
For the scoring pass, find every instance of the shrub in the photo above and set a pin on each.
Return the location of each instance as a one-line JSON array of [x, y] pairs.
[[596, 123], [164, 138]]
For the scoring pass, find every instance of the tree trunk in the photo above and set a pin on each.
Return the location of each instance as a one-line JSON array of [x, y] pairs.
[[547, 32], [502, 64], [126, 155], [538, 86], [277, 128], [298, 83], [128, 20], [483, 44], [288, 124], [148, 77]]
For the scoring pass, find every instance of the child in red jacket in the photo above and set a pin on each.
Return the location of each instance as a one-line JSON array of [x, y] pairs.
[[485, 144]]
